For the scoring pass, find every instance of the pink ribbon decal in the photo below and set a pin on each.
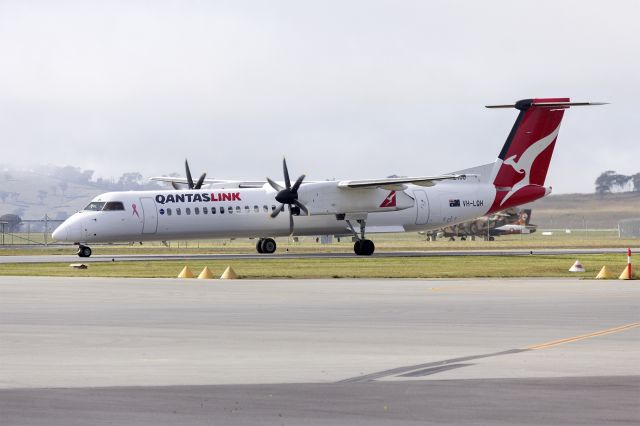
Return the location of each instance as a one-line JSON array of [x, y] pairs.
[[135, 210]]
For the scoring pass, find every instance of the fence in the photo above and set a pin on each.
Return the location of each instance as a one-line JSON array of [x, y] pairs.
[[629, 228], [28, 232]]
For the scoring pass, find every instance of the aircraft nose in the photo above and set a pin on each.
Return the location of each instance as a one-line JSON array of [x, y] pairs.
[[69, 230], [60, 233]]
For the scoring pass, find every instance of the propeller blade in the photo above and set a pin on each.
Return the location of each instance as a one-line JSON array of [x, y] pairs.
[[301, 206], [277, 211], [296, 185], [189, 178], [200, 181], [290, 223], [274, 185], [175, 186], [287, 181]]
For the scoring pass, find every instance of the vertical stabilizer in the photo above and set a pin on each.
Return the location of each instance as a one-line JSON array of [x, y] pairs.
[[521, 168]]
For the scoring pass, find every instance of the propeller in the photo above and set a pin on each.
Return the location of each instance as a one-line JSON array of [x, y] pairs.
[[190, 183], [287, 195]]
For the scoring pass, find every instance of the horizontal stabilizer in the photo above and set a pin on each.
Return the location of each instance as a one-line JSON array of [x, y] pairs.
[[526, 105]]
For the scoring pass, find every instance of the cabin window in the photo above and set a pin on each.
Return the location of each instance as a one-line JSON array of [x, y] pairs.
[[246, 209], [187, 210], [113, 205], [196, 210], [256, 209], [213, 210], [265, 208], [94, 206], [205, 210], [273, 208], [229, 209], [178, 211], [168, 212], [238, 209]]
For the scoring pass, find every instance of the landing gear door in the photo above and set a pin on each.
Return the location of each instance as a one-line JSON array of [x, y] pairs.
[[422, 207], [150, 213]]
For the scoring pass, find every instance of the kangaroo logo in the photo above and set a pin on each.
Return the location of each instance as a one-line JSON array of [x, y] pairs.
[[390, 201], [524, 163]]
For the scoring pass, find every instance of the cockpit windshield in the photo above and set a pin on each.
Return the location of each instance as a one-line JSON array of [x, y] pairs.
[[94, 206], [113, 205], [104, 206]]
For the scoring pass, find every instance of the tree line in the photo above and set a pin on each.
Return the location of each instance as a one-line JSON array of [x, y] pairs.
[[610, 181]]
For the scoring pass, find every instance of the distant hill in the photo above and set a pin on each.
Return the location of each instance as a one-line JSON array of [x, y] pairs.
[[55, 191], [574, 211]]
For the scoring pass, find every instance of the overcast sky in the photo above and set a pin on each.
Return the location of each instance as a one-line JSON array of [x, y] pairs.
[[344, 89]]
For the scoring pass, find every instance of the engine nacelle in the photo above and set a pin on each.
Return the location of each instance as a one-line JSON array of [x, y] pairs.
[[327, 198]]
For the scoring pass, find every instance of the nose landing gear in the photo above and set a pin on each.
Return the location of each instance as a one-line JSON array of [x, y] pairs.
[[84, 251]]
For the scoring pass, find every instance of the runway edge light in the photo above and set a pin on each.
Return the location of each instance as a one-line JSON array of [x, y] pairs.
[[206, 274], [577, 267], [78, 266], [604, 274], [185, 273], [229, 274]]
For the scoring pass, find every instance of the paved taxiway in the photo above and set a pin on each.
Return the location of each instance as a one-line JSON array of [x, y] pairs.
[[167, 351], [283, 255]]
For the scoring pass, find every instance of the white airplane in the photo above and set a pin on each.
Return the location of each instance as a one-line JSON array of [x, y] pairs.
[[238, 209]]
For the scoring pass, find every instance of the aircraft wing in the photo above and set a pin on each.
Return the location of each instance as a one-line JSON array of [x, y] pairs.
[[399, 182], [170, 179], [235, 183]]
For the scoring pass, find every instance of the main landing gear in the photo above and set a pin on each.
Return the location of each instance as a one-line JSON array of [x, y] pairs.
[[266, 245], [362, 246], [84, 251]]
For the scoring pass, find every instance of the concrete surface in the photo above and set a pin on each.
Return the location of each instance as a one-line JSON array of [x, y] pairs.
[[168, 351]]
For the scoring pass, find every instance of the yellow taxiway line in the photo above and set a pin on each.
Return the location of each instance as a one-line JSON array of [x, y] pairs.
[[584, 336]]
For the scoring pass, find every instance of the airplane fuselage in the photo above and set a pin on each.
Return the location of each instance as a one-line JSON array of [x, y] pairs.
[[238, 212]]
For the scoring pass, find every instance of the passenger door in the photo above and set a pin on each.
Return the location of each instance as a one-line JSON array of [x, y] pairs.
[[422, 206], [150, 213]]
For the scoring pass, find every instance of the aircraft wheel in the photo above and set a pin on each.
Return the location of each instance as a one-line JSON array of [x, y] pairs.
[[491, 238], [369, 247], [357, 247], [84, 251], [268, 245], [364, 247], [259, 246]]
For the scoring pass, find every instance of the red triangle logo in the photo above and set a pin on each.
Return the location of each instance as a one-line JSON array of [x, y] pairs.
[[390, 201]]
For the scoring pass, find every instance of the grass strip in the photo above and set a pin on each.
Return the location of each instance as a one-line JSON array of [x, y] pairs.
[[425, 267]]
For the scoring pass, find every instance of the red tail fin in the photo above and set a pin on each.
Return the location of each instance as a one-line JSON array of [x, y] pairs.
[[522, 165]]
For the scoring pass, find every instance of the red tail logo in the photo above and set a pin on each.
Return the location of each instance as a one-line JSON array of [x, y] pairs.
[[525, 161], [525, 156], [390, 201]]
